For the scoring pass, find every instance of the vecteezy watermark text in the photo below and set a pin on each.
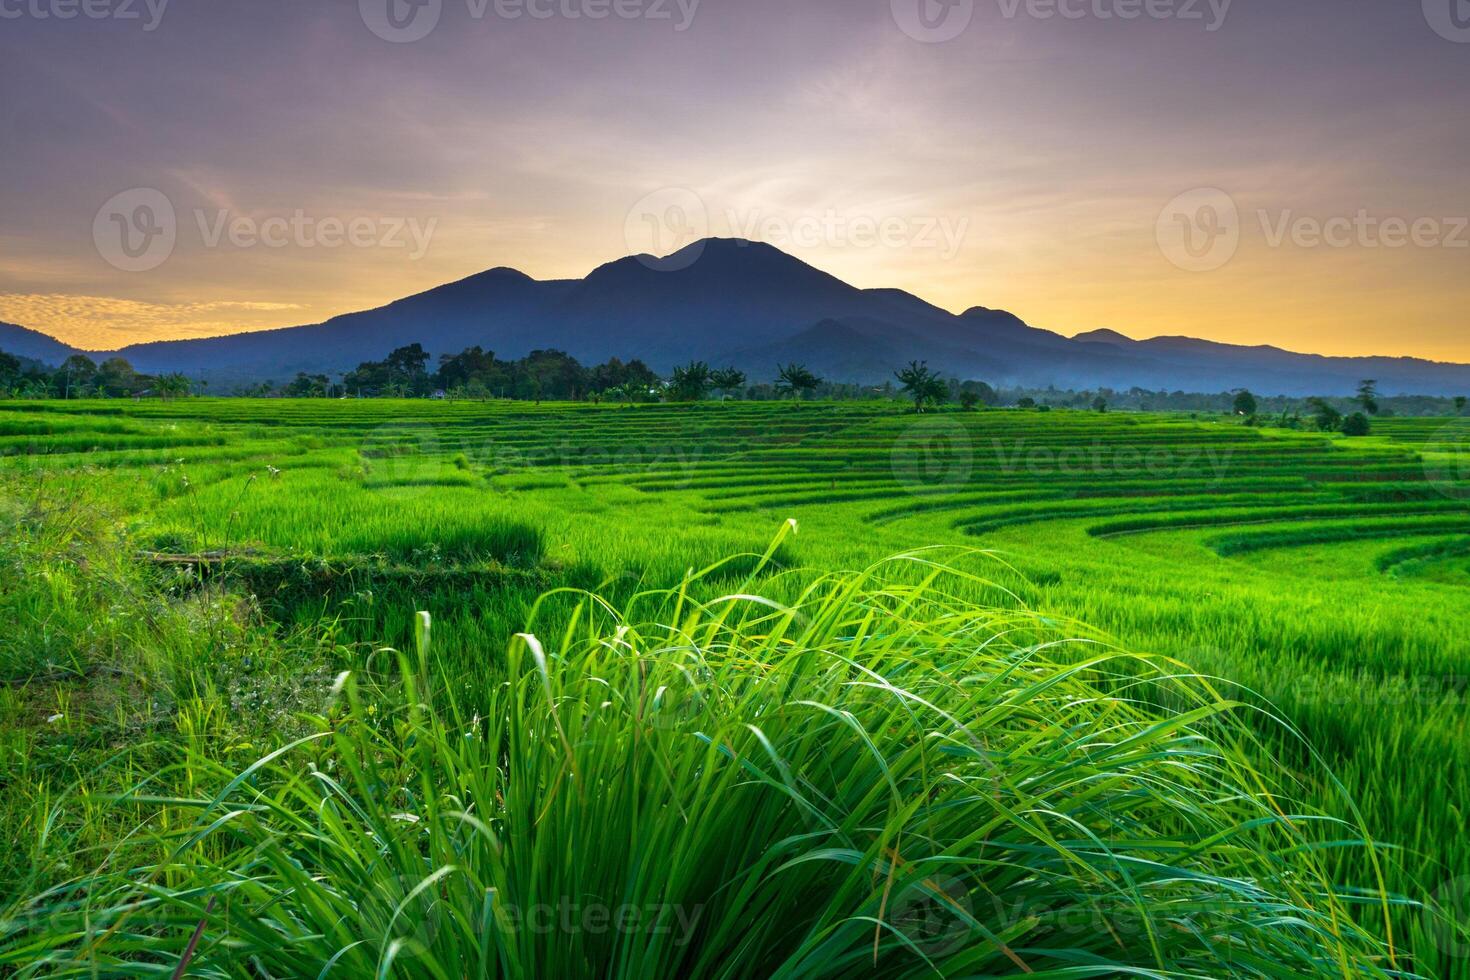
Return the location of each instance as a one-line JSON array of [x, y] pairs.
[[1426, 690], [148, 13], [1450, 19], [936, 21], [669, 220], [409, 454], [1363, 230], [567, 917], [1211, 13], [942, 234], [406, 21], [1201, 230], [138, 230], [304, 231], [1100, 458]]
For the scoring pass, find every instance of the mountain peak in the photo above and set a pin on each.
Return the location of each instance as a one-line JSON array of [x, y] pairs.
[[994, 318], [1104, 336], [727, 263], [733, 243], [732, 250], [32, 344], [985, 311]]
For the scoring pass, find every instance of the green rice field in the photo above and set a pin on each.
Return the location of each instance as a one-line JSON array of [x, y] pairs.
[[1212, 679]]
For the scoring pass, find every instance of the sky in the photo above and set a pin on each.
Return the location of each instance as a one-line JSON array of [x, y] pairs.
[[1287, 172]]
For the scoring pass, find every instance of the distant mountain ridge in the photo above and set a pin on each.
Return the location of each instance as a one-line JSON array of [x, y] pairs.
[[729, 301], [32, 345]]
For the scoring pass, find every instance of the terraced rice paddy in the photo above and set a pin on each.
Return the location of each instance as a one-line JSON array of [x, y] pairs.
[[1324, 577]]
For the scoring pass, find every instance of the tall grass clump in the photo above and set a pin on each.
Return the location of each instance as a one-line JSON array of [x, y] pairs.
[[848, 774]]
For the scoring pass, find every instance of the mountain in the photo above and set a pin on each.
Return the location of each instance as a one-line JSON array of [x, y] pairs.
[[1273, 370], [492, 309], [729, 301], [32, 345], [860, 349]]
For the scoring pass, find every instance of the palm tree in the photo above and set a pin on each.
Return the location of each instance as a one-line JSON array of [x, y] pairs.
[[1326, 417], [690, 382], [78, 370], [727, 381], [796, 380], [1368, 396], [31, 389], [922, 384], [172, 386]]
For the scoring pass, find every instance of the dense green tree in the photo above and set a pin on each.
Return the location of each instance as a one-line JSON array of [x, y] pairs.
[[727, 381], [796, 381], [1325, 417], [690, 382], [550, 374], [1245, 403], [403, 373], [1356, 424], [1099, 404], [117, 379], [408, 368], [1459, 404], [1368, 396], [1289, 420], [1026, 402], [307, 386], [634, 377], [470, 365], [31, 386], [9, 371], [987, 395], [478, 373], [922, 385], [170, 386], [76, 376]]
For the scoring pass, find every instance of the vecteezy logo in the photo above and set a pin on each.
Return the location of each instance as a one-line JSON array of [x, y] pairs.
[[932, 454], [1449, 18], [404, 455], [136, 230], [933, 21], [934, 914], [1449, 918], [401, 21], [1447, 460], [411, 911], [1199, 231], [661, 227]]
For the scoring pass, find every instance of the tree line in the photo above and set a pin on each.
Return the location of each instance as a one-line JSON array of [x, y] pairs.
[[1322, 414], [81, 377], [553, 375]]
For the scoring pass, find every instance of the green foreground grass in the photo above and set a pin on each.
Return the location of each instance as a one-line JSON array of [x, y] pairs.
[[870, 771]]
